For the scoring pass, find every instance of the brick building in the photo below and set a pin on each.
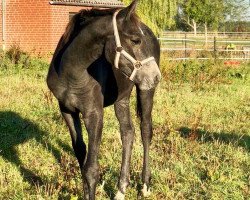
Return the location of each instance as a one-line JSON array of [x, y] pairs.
[[37, 25]]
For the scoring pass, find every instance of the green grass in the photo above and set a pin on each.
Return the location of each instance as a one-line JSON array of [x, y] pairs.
[[200, 148]]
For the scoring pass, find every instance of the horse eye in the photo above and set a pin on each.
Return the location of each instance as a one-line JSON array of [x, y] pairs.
[[136, 41]]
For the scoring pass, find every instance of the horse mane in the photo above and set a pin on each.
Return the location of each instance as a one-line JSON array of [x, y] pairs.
[[83, 18], [79, 21]]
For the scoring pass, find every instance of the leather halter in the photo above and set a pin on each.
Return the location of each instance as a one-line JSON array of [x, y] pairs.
[[120, 50]]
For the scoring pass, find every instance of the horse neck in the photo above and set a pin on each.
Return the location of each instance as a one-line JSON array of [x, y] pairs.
[[88, 45]]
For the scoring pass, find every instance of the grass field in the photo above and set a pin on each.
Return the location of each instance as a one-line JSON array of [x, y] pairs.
[[200, 148]]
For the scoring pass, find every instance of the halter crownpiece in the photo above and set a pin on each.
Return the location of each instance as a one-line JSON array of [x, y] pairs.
[[120, 50]]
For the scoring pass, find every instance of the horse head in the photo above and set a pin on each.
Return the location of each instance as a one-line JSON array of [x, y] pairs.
[[134, 49]]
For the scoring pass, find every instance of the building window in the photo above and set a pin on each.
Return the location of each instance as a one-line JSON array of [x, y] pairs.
[[71, 14]]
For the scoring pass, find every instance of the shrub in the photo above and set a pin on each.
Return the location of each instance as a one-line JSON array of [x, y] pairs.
[[14, 54], [15, 58], [199, 73]]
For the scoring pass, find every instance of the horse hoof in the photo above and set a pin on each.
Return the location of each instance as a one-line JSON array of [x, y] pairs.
[[145, 191], [119, 196]]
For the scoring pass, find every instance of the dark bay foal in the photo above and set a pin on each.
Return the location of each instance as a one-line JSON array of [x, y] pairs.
[[102, 55]]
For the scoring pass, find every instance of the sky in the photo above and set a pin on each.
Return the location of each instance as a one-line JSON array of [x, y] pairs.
[[245, 16], [248, 12]]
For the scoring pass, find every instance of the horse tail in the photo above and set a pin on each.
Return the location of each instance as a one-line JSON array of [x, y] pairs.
[[138, 104]]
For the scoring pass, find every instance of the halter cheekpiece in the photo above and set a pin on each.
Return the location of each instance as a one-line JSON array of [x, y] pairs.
[[120, 50]]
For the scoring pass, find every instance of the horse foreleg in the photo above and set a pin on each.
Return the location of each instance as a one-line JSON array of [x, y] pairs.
[[127, 137], [73, 122], [146, 105], [94, 123]]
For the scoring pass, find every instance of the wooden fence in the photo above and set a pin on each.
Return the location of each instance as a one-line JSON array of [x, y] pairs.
[[180, 34], [206, 48]]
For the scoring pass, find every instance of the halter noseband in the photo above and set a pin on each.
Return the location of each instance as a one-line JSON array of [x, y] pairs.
[[120, 50]]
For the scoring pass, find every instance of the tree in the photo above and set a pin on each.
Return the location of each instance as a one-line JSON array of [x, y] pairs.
[[188, 13], [201, 12], [211, 13], [158, 14]]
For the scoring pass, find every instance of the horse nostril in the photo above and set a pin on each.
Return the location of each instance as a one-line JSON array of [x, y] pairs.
[[157, 79]]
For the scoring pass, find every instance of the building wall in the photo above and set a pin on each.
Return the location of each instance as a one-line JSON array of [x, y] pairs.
[[28, 24], [35, 25]]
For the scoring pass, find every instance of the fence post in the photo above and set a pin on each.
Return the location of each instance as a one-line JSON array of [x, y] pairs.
[[215, 47]]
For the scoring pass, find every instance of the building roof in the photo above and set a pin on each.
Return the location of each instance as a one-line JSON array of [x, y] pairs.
[[89, 3]]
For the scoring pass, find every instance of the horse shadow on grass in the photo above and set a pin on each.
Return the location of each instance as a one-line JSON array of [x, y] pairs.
[[14, 131], [206, 136]]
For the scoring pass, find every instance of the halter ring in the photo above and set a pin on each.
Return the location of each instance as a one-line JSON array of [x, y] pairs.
[[119, 49], [138, 65]]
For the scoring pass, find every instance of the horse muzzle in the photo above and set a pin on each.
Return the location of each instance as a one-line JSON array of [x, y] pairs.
[[148, 76]]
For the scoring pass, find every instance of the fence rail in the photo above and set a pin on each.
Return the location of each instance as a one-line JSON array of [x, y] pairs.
[[179, 34], [203, 49]]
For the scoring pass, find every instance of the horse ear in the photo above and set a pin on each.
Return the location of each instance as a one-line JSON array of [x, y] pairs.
[[128, 11]]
